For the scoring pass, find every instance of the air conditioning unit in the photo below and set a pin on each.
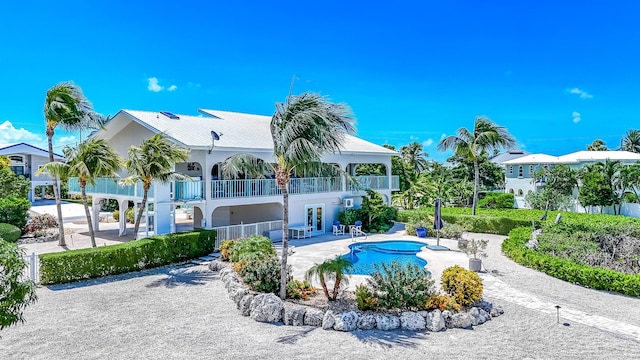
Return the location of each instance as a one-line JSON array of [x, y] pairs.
[[348, 202]]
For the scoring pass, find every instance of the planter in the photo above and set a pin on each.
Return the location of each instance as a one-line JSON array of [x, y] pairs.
[[421, 232], [475, 264]]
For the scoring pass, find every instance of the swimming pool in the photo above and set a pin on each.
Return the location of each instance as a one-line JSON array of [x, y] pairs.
[[365, 255]]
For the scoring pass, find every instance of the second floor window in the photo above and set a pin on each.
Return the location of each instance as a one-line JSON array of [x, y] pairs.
[[520, 171]]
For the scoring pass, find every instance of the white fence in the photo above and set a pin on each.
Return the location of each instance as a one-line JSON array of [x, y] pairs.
[[33, 267], [233, 232]]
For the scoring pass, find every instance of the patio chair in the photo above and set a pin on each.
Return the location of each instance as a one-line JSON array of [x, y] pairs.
[[356, 228], [338, 229]]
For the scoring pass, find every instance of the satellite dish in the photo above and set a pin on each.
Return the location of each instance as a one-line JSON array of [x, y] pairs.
[[214, 135]]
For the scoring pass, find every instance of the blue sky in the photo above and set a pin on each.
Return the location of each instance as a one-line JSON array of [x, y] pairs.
[[557, 74]]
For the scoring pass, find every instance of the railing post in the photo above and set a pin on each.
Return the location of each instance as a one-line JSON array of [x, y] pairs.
[[32, 267]]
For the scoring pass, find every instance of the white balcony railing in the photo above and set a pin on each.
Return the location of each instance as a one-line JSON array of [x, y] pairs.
[[374, 182], [188, 190], [109, 186]]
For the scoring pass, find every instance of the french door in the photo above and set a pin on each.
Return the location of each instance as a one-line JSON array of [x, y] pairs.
[[315, 217]]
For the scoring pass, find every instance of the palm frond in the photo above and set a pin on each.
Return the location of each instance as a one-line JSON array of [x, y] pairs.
[[248, 164]]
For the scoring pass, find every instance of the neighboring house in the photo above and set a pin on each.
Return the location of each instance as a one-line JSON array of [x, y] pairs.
[[240, 206], [520, 172], [26, 160], [512, 154]]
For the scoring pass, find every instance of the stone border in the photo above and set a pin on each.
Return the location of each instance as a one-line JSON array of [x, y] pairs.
[[269, 308]]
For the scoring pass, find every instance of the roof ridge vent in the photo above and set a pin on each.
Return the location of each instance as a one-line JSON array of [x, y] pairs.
[[170, 115]]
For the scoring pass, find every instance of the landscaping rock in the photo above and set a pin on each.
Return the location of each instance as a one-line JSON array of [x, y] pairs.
[[461, 321], [435, 321], [346, 321], [485, 305], [328, 320], [232, 287], [313, 317], [446, 315], [217, 265], [266, 308], [412, 321], [496, 311], [485, 314], [245, 305], [476, 319], [387, 322], [423, 313], [367, 321], [237, 294], [533, 242], [294, 315]]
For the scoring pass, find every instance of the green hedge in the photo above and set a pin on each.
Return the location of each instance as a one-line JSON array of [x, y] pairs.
[[593, 277], [14, 211], [10, 233], [155, 251]]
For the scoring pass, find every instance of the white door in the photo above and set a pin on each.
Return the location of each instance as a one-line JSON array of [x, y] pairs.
[[315, 217]]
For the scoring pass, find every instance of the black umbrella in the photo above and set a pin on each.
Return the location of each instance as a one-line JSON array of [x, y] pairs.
[[437, 220]]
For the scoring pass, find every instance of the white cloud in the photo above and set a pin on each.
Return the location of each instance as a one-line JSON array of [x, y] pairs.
[[583, 94], [172, 88], [443, 136], [576, 117], [10, 135], [427, 142], [153, 85], [66, 140], [413, 138]]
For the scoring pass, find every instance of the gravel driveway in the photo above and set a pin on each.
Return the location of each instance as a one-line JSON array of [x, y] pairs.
[[183, 312]]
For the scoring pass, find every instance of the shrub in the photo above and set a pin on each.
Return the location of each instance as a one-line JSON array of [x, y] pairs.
[[14, 211], [155, 251], [350, 216], [365, 298], [262, 273], [225, 249], [10, 233], [254, 244], [494, 200], [442, 302], [398, 286], [40, 222], [465, 286], [129, 215], [297, 289], [449, 231], [116, 215], [16, 292]]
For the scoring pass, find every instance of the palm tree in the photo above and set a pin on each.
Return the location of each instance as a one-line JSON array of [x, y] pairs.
[[414, 156], [92, 159], [597, 145], [330, 270], [486, 136], [66, 106], [155, 159], [303, 128], [631, 141]]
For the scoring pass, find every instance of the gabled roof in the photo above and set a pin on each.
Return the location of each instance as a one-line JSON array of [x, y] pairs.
[[236, 130], [24, 148], [508, 155], [586, 156], [534, 159]]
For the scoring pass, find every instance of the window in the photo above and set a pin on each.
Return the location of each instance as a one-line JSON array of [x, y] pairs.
[[520, 171], [18, 170], [520, 193], [530, 170], [510, 170], [16, 158], [510, 191]]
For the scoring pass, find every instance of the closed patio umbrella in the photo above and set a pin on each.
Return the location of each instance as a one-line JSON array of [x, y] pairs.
[[437, 220]]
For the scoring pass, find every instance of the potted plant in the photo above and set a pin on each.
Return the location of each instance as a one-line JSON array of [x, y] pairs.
[[475, 249]]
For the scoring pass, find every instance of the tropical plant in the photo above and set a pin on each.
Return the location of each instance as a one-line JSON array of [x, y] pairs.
[[303, 129], [486, 136], [154, 160], [91, 159], [331, 270], [631, 141], [597, 145], [414, 156], [66, 106], [398, 286], [12, 184], [254, 244], [559, 183], [260, 272], [16, 293], [297, 289], [365, 298], [14, 211], [465, 286], [475, 248]]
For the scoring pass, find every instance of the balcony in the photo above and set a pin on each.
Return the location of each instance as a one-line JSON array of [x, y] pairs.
[[233, 189], [109, 186], [374, 182], [188, 190], [314, 185]]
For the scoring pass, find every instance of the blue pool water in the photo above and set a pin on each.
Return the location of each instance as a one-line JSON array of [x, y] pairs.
[[365, 255]]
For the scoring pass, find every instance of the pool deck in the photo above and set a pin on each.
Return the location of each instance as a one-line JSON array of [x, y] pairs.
[[311, 251]]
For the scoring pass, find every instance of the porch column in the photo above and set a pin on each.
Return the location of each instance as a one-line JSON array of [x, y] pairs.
[[95, 214], [122, 222]]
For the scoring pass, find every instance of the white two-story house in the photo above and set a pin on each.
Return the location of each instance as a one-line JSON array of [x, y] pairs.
[[520, 173], [26, 160], [241, 206]]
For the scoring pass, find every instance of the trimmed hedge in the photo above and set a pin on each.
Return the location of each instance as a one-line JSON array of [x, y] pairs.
[[9, 233], [14, 211], [151, 252], [593, 277]]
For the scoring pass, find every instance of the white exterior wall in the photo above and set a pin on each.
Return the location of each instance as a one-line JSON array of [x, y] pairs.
[[516, 184]]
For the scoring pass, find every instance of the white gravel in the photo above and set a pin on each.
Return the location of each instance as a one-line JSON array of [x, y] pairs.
[[184, 312]]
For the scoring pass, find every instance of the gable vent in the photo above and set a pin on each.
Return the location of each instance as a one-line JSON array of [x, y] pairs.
[[170, 115]]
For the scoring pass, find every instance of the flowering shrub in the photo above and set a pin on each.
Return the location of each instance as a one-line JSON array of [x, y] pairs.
[[442, 302], [40, 222], [464, 286], [297, 289]]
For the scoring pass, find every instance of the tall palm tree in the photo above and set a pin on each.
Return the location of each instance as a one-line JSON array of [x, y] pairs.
[[155, 159], [414, 156], [66, 106], [631, 141], [91, 159], [486, 136], [303, 128], [597, 145]]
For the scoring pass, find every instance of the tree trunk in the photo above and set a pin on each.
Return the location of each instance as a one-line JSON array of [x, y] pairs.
[[324, 286], [476, 184], [285, 241], [142, 209], [336, 286], [83, 185], [56, 193]]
